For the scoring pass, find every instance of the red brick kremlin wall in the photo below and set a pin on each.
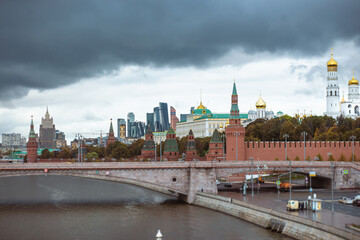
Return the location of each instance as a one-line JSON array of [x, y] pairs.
[[276, 150]]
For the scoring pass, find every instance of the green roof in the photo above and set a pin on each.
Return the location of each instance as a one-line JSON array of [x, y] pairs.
[[234, 89], [222, 115], [216, 137], [111, 130], [171, 131], [201, 111]]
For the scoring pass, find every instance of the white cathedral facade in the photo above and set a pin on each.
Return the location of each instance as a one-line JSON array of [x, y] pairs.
[[335, 107]]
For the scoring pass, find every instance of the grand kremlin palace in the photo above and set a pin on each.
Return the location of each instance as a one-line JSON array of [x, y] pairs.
[[203, 122]]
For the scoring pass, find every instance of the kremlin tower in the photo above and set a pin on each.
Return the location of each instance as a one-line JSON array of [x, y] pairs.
[[235, 132], [216, 150], [191, 147], [32, 145], [111, 138], [171, 149], [332, 89], [148, 150]]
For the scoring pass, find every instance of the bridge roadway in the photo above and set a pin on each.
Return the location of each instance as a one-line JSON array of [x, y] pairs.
[[183, 179]]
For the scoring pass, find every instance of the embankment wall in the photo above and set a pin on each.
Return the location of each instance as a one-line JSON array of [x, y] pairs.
[[292, 226]]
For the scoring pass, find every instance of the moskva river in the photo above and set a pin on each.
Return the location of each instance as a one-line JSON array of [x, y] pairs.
[[63, 207]]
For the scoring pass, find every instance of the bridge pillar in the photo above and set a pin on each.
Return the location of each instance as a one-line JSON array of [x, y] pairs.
[[201, 180]]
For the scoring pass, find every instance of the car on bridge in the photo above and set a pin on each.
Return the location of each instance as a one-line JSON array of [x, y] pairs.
[[356, 202]]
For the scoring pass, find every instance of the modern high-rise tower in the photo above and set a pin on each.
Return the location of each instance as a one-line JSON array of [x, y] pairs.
[[332, 89], [121, 124], [173, 118], [130, 121], [164, 116], [47, 132]]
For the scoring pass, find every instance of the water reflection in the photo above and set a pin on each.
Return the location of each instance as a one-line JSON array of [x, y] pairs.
[[63, 207]]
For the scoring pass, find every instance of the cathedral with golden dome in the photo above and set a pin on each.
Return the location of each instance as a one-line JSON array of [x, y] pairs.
[[335, 107], [260, 111]]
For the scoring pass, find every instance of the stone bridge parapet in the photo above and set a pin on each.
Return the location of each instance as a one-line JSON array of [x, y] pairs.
[[185, 178]]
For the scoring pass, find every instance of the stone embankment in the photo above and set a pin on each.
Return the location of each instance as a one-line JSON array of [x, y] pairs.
[[292, 226]]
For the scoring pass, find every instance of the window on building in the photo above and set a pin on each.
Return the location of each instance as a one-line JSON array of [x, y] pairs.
[[330, 93]]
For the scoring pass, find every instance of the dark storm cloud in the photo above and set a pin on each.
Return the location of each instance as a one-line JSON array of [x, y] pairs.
[[46, 44]]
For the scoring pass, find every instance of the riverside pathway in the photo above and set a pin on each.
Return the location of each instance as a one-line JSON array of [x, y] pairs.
[[342, 215]]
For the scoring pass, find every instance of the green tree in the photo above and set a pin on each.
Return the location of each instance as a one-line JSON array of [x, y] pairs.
[[287, 128], [182, 144], [135, 147], [64, 153], [297, 158], [91, 155], [45, 154], [121, 151], [202, 145]]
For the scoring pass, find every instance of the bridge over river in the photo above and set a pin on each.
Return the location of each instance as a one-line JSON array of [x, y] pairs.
[[184, 179]]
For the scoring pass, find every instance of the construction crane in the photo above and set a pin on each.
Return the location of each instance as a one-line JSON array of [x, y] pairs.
[[79, 135], [92, 133]]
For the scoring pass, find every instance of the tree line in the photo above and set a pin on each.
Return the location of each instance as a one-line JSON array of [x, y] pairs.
[[120, 150], [317, 128]]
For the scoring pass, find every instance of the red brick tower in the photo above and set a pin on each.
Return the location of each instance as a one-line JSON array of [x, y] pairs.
[[191, 148], [32, 145], [216, 148], [235, 132], [171, 150], [111, 138], [148, 150]]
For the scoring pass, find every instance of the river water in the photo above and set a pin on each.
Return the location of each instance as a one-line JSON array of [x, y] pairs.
[[64, 207]]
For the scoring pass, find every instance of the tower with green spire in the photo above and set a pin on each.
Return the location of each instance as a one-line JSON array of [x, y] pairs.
[[32, 144], [234, 111], [148, 150], [111, 137], [235, 132], [171, 149], [216, 148]]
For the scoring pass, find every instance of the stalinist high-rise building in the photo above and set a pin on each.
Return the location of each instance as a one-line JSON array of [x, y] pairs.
[[47, 132]]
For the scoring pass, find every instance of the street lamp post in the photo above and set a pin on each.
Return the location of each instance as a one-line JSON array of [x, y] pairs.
[[286, 136], [353, 138], [304, 133], [258, 184], [332, 187], [252, 183], [155, 152], [160, 150]]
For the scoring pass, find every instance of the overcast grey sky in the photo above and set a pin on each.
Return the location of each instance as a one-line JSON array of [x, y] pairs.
[[92, 60]]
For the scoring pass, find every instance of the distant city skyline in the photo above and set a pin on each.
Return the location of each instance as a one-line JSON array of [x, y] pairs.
[[114, 64]]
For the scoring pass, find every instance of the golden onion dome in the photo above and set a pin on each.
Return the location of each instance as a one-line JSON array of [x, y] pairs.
[[260, 103], [201, 106], [332, 62], [353, 81], [221, 126], [304, 116]]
